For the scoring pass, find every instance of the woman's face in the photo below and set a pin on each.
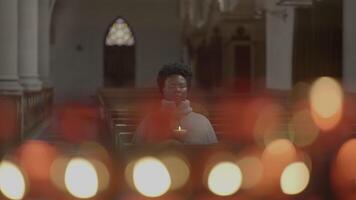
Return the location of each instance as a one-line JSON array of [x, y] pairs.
[[175, 88]]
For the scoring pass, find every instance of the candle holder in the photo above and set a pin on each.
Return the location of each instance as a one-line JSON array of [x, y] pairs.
[[179, 132]]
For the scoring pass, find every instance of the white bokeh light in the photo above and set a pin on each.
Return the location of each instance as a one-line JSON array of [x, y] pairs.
[[151, 177], [295, 178], [81, 179], [225, 179], [12, 181], [326, 97]]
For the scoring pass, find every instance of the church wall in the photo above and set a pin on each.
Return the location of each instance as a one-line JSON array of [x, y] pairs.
[[79, 29]]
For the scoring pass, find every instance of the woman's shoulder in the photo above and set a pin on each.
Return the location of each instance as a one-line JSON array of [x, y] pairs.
[[198, 116]]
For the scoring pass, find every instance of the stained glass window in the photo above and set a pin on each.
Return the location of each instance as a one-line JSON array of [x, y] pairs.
[[120, 34]]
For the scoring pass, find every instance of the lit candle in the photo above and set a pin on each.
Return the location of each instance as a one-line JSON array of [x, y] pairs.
[[180, 130]]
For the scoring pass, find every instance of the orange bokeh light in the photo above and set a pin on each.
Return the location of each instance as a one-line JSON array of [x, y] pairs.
[[242, 114], [326, 102], [252, 171], [302, 129], [326, 124], [276, 156], [79, 123], [268, 125], [344, 169], [36, 158]]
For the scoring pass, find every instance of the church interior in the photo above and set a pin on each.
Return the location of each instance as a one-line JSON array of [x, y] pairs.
[[275, 78]]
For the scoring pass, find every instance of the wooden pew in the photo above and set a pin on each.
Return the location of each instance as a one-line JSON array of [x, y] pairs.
[[123, 109]]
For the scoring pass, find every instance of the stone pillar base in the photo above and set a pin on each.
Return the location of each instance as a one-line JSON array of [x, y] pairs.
[[31, 83], [10, 86]]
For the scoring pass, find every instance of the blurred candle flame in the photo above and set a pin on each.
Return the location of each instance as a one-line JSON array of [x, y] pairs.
[[151, 177], [81, 178], [225, 179], [12, 181], [295, 178], [326, 101]]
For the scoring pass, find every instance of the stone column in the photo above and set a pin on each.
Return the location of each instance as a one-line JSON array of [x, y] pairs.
[[44, 43], [8, 48], [28, 45], [349, 45]]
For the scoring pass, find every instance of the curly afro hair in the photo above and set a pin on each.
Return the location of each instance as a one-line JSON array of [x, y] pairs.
[[175, 68]]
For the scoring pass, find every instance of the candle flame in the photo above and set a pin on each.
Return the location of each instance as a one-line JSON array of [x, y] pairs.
[[179, 128]]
